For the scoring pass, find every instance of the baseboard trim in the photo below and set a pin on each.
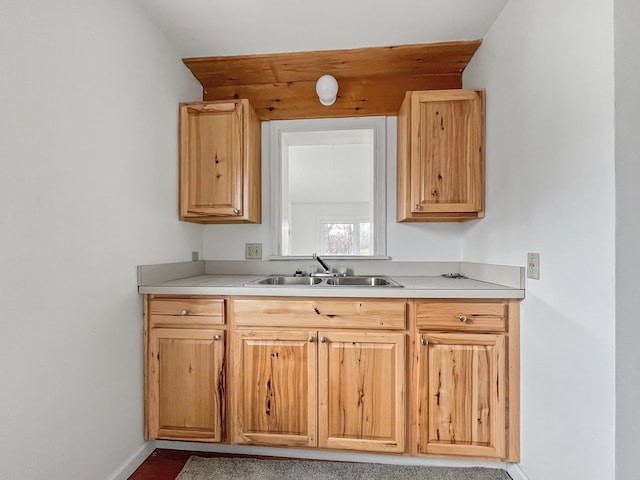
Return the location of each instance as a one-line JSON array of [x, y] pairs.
[[516, 472], [325, 455], [124, 471]]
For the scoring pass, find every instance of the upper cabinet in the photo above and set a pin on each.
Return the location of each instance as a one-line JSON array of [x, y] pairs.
[[219, 162], [441, 156]]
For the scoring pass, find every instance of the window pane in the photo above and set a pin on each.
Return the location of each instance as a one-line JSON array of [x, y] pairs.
[[338, 239], [365, 239]]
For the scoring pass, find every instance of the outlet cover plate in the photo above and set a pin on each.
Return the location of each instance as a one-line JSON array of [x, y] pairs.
[[253, 251], [533, 266]]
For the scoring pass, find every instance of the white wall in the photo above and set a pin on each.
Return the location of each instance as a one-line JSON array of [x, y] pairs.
[[548, 70], [88, 190], [405, 241], [627, 70]]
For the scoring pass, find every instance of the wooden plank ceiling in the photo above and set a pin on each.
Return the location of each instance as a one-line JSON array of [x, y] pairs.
[[372, 81]]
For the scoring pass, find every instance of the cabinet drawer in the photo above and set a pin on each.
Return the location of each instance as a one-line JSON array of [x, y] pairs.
[[462, 316], [334, 313], [186, 310]]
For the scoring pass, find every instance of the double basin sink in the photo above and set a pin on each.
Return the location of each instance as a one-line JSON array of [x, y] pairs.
[[347, 281]]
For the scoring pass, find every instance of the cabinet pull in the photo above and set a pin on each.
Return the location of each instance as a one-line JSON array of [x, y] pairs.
[[216, 337], [418, 206], [424, 341], [236, 211], [323, 340], [463, 318], [311, 339], [183, 312]]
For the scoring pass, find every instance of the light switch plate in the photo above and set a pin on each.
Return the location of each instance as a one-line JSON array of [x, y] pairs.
[[533, 266]]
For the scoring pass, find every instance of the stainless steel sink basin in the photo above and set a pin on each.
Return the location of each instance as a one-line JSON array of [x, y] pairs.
[[286, 280], [363, 281], [351, 281]]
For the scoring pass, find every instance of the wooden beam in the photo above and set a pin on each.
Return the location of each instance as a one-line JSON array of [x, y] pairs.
[[372, 81], [356, 97]]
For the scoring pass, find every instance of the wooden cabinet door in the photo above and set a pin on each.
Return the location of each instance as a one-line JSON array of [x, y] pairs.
[[186, 384], [461, 394], [361, 384], [274, 377], [213, 163], [441, 156], [220, 162]]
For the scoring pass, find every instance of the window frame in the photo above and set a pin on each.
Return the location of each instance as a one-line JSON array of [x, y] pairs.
[[378, 124]]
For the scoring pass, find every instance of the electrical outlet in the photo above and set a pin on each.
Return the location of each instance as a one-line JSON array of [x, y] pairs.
[[253, 251], [533, 266], [195, 256]]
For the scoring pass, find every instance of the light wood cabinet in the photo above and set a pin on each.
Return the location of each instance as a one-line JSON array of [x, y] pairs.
[[441, 156], [334, 373], [361, 377], [466, 379], [351, 381], [184, 369], [220, 162], [276, 387]]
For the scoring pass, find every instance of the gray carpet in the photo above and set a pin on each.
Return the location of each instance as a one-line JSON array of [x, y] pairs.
[[215, 468]]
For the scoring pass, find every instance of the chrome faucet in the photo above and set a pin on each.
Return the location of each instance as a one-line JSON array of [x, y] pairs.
[[327, 270]]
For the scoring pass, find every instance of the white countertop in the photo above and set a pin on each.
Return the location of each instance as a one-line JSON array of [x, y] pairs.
[[413, 287]]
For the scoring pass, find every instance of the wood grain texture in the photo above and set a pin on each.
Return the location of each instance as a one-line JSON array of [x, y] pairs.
[[146, 322], [321, 313], [358, 97], [275, 388], [487, 316], [513, 381], [186, 384], [441, 156], [219, 162], [372, 81], [362, 391], [463, 394]]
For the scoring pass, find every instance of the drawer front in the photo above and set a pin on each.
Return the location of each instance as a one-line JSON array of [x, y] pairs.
[[186, 310], [461, 316], [320, 313]]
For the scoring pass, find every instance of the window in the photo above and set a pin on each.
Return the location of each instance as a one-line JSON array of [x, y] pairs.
[[353, 238], [328, 182]]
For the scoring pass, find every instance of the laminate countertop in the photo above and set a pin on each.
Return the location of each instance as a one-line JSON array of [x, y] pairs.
[[412, 287]]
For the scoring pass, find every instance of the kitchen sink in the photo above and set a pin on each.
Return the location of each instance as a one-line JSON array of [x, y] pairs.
[[362, 281], [286, 280], [349, 281]]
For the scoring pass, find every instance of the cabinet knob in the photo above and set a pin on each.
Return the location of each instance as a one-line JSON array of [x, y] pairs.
[[183, 312], [418, 206], [424, 341], [216, 337], [462, 318], [323, 340], [311, 339], [236, 211]]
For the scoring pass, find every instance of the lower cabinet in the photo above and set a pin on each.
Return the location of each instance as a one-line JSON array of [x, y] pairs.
[[334, 373], [352, 383], [462, 401], [465, 377], [186, 378], [275, 392], [184, 368]]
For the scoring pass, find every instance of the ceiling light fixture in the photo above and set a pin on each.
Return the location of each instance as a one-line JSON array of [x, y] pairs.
[[327, 89]]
